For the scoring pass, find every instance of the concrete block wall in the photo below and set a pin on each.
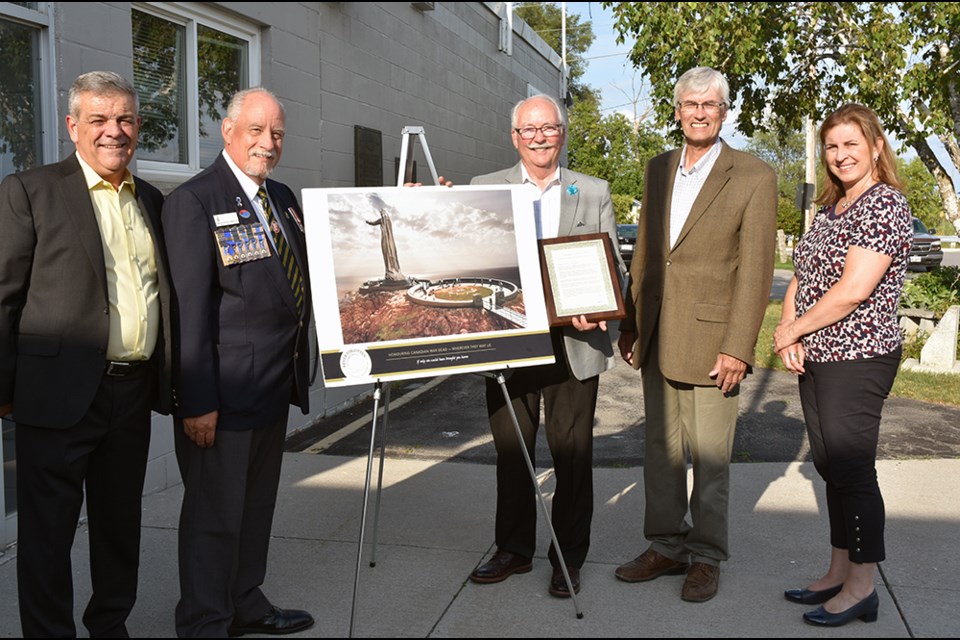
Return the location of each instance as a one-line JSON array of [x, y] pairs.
[[387, 65], [335, 65]]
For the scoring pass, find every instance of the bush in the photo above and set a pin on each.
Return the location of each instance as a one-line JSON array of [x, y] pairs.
[[935, 290]]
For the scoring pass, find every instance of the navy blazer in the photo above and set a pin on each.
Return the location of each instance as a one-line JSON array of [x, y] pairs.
[[54, 308], [240, 347]]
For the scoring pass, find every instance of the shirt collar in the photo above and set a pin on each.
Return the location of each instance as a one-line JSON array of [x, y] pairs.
[[93, 179], [250, 188], [525, 176], [706, 160]]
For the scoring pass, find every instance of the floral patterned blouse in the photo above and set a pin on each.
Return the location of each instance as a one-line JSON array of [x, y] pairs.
[[879, 220]]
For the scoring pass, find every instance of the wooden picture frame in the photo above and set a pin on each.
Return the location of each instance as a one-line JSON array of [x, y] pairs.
[[580, 277]]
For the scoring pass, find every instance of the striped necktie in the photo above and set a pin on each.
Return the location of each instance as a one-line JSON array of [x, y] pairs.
[[283, 250]]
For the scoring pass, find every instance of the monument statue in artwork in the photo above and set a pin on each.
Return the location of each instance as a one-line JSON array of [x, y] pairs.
[[391, 262]]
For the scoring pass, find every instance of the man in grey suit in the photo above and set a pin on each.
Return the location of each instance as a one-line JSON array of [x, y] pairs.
[[84, 302], [700, 282], [565, 203]]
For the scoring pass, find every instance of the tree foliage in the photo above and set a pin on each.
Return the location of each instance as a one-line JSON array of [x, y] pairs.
[[795, 59], [786, 153], [922, 195], [610, 147], [546, 19], [19, 125]]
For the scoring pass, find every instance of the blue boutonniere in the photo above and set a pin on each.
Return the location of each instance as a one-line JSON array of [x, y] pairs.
[[573, 190]]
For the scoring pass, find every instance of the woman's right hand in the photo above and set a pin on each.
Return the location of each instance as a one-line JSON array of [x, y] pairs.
[[792, 357]]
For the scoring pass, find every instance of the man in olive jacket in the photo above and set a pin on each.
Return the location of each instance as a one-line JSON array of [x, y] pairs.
[[700, 283]]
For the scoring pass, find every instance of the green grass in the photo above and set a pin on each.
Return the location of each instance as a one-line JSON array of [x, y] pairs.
[[937, 388], [788, 265]]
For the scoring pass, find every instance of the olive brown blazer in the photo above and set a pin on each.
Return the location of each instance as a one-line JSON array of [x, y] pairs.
[[707, 294]]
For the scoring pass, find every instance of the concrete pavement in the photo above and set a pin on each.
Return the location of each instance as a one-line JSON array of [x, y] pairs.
[[436, 526]]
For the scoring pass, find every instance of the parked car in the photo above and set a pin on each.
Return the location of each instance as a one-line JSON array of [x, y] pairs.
[[926, 251], [627, 238]]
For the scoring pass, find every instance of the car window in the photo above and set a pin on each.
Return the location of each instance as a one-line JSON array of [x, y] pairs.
[[627, 230], [919, 227]]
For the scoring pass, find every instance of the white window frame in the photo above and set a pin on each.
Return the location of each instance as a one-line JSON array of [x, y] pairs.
[[42, 19], [189, 15]]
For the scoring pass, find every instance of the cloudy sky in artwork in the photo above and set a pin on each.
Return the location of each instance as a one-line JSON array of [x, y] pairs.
[[436, 230]]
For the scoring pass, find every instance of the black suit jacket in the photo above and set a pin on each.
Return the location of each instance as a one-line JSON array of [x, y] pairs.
[[240, 345], [54, 318]]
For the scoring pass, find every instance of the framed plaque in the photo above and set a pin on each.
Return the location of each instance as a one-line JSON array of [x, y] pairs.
[[580, 278]]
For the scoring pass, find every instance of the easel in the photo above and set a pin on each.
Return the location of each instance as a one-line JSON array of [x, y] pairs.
[[404, 175]]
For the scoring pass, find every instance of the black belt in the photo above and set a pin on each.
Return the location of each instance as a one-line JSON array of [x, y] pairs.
[[121, 369]]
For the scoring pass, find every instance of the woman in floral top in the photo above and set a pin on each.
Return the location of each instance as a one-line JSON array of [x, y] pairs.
[[839, 334]]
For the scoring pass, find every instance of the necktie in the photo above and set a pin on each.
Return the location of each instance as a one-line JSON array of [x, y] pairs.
[[287, 259]]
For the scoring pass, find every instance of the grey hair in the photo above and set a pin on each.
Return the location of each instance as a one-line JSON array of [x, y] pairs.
[[561, 114], [700, 80], [100, 83], [235, 106]]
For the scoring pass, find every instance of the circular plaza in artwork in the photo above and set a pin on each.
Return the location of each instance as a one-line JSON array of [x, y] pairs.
[[463, 292]]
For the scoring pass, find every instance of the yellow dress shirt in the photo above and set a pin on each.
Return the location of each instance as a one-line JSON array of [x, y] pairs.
[[131, 267]]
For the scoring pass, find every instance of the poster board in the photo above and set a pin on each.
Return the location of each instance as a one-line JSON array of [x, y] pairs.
[[426, 281]]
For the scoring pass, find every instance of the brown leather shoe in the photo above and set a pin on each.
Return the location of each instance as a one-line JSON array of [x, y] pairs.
[[558, 584], [649, 565], [701, 583], [501, 566]]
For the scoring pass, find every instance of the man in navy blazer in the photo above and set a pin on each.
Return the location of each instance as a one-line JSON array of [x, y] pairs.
[[238, 265], [84, 304]]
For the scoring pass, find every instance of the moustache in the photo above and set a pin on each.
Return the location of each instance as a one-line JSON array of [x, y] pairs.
[[538, 147], [261, 154]]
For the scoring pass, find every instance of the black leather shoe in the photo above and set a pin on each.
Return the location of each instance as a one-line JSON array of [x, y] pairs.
[[558, 584], [277, 622], [866, 610], [501, 566], [805, 596]]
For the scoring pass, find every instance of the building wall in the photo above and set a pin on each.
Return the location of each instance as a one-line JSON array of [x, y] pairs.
[[335, 65]]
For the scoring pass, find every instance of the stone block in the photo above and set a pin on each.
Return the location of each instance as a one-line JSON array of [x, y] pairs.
[[940, 350]]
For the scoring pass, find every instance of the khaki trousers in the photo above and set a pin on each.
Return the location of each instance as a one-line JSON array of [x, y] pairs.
[[680, 419]]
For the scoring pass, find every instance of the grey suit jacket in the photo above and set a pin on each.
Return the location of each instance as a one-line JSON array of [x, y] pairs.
[[707, 294], [54, 319], [588, 209]]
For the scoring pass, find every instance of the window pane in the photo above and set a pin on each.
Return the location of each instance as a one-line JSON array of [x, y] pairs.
[[20, 141], [159, 72], [222, 62]]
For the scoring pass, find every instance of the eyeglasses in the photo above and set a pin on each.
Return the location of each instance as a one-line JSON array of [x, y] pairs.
[[689, 106], [548, 131]]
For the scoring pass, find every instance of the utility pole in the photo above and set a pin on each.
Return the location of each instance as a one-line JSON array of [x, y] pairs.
[[811, 172]]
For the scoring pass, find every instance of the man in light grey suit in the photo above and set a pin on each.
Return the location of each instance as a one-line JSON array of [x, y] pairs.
[[565, 203], [700, 283]]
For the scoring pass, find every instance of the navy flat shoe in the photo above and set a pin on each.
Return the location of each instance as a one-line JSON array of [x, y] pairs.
[[806, 596], [866, 610]]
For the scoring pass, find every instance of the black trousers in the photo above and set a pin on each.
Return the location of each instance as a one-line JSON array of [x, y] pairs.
[[230, 493], [842, 403], [569, 406], [104, 456]]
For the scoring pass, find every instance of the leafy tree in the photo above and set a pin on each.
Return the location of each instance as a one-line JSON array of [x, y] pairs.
[[787, 155], [623, 207], [546, 19], [922, 194], [611, 147], [19, 111], [807, 58]]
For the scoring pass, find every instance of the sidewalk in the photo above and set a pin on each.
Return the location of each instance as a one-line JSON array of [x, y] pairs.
[[436, 525]]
